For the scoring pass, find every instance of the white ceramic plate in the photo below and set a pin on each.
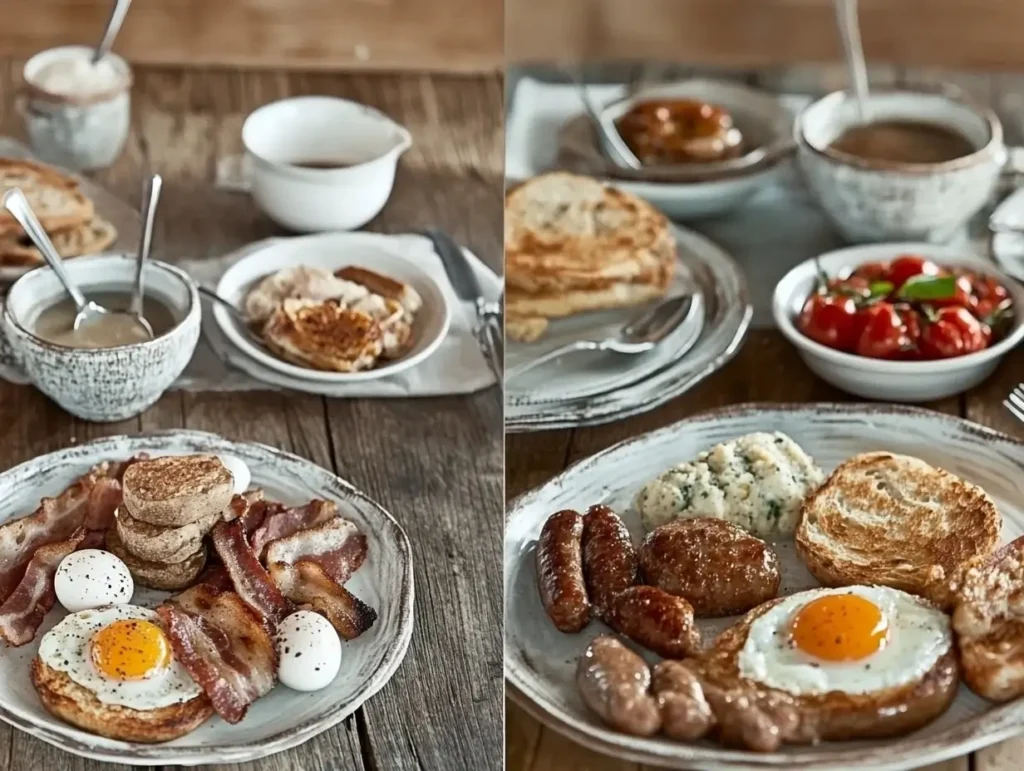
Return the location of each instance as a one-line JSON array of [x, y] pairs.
[[333, 251], [631, 386], [283, 718], [540, 662]]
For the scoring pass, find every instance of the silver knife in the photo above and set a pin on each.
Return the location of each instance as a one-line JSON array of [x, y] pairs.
[[490, 328]]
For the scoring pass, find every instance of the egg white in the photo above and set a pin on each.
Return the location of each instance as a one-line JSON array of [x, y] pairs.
[[918, 636], [67, 648]]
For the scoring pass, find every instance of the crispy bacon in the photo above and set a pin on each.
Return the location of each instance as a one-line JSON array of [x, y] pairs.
[[337, 546], [279, 522], [24, 611], [224, 646], [215, 575], [249, 578], [307, 584]]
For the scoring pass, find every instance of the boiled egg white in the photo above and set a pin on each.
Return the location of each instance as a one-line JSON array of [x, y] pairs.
[[239, 472], [309, 651], [92, 578]]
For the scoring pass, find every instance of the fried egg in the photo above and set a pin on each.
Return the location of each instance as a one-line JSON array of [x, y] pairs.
[[856, 639], [122, 655]]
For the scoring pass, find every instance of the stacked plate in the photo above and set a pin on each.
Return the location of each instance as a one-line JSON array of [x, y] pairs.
[[591, 388]]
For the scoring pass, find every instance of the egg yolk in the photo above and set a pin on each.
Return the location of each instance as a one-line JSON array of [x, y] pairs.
[[130, 649], [839, 627]]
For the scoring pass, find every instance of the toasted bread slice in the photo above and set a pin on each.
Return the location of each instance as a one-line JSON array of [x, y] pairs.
[[162, 544], [385, 286], [553, 304], [55, 198], [324, 336], [89, 237], [525, 329], [69, 701], [894, 520], [166, 576], [177, 490]]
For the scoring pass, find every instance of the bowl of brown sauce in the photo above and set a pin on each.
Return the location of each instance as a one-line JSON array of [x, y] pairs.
[[920, 166], [105, 371]]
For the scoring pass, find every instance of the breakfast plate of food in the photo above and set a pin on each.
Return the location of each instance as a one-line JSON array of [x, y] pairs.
[[333, 308], [177, 597], [768, 586]]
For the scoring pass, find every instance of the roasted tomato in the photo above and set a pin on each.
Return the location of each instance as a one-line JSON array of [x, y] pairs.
[[911, 320], [854, 286], [872, 271], [831, 320], [953, 331], [908, 266], [988, 296], [884, 334]]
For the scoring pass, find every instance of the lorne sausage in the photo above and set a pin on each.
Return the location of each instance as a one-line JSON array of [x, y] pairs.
[[610, 562], [614, 681], [657, 620], [560, 571]]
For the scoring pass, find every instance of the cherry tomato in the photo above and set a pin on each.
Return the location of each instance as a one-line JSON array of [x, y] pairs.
[[989, 294], [910, 265], [911, 319], [872, 271], [884, 334], [962, 294], [854, 286], [830, 320], [953, 332]]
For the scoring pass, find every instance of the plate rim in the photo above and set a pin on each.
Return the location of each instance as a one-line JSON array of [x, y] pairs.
[[1006, 719], [143, 754]]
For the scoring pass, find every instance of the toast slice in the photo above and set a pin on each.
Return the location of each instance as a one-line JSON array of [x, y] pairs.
[[896, 521], [324, 336], [55, 198], [89, 237], [177, 490]]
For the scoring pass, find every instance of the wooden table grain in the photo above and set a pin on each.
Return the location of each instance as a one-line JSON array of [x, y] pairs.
[[767, 369], [435, 463]]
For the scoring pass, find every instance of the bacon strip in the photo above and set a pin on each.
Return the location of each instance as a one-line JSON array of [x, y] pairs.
[[337, 546], [250, 580], [223, 645], [281, 522], [305, 583]]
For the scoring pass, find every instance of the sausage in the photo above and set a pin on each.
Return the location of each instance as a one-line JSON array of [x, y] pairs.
[[717, 566], [752, 720], [685, 713], [610, 564], [613, 682], [657, 620], [560, 571]]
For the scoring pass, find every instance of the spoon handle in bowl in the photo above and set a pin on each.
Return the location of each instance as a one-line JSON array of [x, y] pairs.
[[849, 30], [150, 199]]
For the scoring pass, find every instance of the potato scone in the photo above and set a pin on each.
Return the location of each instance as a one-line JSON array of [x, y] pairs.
[[758, 482]]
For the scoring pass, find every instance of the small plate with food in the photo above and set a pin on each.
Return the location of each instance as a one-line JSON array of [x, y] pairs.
[[332, 307], [807, 587], [181, 598], [900, 322]]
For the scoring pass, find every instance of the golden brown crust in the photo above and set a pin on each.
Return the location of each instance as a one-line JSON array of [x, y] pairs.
[[895, 521], [168, 577], [177, 490], [324, 336], [55, 198], [89, 237], [74, 704]]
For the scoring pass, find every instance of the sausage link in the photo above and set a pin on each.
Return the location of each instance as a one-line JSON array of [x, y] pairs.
[[610, 562], [560, 571], [657, 620], [685, 713], [613, 681]]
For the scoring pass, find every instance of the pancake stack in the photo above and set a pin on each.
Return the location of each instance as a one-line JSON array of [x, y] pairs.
[[169, 505], [64, 211]]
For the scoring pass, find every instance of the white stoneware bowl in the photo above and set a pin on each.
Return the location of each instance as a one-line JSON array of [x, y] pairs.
[[892, 381], [105, 384], [873, 200], [363, 143]]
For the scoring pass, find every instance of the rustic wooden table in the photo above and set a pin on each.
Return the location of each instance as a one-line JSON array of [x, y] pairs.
[[767, 369], [434, 463]]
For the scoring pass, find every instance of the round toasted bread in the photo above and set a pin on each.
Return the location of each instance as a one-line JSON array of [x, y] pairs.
[[167, 576], [177, 490], [69, 701], [89, 237], [895, 521], [162, 544], [55, 198], [324, 336]]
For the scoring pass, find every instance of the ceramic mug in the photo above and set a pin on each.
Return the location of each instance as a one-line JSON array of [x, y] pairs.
[[869, 199]]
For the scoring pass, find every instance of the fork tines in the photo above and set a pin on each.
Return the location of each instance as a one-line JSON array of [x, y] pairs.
[[1015, 402]]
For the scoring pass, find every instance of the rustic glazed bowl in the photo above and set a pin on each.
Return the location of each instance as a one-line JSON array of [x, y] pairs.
[[876, 200], [105, 384]]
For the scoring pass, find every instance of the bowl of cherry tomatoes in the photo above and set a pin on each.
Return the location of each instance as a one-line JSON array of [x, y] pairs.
[[900, 322]]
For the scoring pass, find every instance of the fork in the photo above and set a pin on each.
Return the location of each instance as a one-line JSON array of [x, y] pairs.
[[1015, 402]]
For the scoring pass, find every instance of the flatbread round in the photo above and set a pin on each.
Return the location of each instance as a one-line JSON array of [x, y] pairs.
[[90, 237], [54, 197]]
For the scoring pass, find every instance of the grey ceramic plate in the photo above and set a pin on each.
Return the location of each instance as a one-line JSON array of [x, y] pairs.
[[283, 718], [540, 661]]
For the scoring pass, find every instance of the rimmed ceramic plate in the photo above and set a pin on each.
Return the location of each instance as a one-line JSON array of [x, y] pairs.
[[633, 385], [333, 251], [540, 662], [283, 718]]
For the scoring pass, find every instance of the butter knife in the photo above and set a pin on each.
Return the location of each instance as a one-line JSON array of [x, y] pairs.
[[489, 328]]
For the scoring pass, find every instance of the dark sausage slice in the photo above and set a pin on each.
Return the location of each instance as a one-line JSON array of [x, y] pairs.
[[560, 571], [685, 713], [610, 563], [613, 681], [656, 620]]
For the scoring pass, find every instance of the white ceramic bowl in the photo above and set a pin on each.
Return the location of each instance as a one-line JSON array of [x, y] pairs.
[[364, 144], [333, 251], [893, 381], [105, 384], [872, 200]]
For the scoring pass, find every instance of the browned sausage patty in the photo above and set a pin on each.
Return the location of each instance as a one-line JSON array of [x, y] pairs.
[[613, 681], [685, 713], [560, 571], [610, 563], [720, 568], [657, 620]]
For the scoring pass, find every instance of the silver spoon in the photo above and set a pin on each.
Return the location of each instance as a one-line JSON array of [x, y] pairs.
[[849, 30], [209, 294], [637, 336], [117, 14], [150, 199], [609, 138]]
